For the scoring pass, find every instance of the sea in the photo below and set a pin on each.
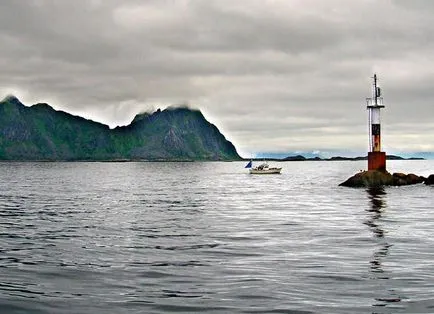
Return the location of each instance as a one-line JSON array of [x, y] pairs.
[[207, 237]]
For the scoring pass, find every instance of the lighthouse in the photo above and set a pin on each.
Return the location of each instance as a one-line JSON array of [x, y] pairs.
[[376, 158], [377, 175]]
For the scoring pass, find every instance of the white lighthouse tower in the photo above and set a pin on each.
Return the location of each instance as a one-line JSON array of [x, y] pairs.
[[376, 158]]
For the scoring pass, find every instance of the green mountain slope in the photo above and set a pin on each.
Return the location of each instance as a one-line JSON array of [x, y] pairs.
[[41, 133]]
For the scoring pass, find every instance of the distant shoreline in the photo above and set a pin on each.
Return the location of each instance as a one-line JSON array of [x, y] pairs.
[[335, 158]]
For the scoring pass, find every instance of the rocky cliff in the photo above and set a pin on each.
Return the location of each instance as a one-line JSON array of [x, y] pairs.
[[41, 133]]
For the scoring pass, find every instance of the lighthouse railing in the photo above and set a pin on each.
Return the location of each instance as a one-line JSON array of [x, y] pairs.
[[370, 102]]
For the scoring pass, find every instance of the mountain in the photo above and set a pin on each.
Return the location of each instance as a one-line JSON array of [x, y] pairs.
[[41, 133], [294, 158]]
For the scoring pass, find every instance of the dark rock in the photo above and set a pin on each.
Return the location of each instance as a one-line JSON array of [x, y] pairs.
[[406, 179], [374, 178], [399, 175], [429, 180], [414, 179], [371, 178]]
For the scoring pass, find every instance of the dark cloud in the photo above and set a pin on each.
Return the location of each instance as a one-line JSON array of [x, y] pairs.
[[273, 75]]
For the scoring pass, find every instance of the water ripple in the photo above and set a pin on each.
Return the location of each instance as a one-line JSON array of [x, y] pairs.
[[207, 237]]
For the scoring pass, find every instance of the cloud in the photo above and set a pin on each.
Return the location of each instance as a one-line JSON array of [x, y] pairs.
[[273, 75]]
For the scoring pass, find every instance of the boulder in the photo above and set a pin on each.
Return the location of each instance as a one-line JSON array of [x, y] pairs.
[[406, 179], [414, 179], [399, 178], [429, 180], [399, 175]]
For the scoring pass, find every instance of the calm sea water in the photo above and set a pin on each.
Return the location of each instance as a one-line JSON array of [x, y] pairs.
[[210, 238]]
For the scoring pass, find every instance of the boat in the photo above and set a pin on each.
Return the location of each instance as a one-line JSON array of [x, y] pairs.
[[263, 168]]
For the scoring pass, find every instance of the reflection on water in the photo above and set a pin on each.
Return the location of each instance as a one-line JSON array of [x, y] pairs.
[[377, 197], [378, 203]]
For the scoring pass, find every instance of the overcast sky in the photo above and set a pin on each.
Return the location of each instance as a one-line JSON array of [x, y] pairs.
[[273, 75]]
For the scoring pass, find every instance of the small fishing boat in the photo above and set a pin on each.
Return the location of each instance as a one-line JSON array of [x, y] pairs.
[[263, 168]]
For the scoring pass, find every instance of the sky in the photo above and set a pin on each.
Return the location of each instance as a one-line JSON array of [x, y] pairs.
[[277, 76]]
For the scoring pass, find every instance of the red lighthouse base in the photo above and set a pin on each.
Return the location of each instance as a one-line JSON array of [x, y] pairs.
[[377, 161]]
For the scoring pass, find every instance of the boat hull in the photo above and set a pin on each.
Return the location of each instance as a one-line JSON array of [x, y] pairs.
[[266, 171]]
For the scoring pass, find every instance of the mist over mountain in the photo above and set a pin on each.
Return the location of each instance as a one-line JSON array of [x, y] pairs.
[[40, 132]]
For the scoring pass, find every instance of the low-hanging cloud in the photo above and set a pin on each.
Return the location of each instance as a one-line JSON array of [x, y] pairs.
[[280, 75]]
